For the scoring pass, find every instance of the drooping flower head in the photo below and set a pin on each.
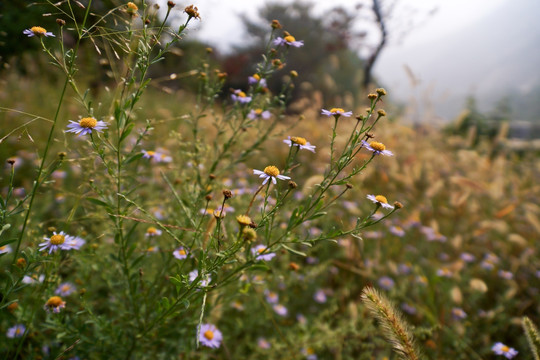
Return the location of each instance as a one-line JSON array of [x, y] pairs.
[[270, 172], [501, 349], [377, 148], [300, 142], [288, 40], [37, 31], [380, 200], [210, 336], [54, 304], [192, 12], [336, 112], [55, 242], [86, 126]]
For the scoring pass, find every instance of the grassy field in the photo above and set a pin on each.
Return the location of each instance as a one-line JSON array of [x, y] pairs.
[[155, 238]]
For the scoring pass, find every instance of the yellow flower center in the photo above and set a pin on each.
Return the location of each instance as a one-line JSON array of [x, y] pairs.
[[337, 110], [182, 252], [151, 153], [377, 146], [151, 230], [261, 250], [289, 38], [298, 140], [505, 348], [209, 334], [57, 239], [88, 122], [257, 77], [54, 301], [258, 111], [271, 171], [66, 288], [38, 30], [241, 94], [243, 220], [381, 199], [131, 6]]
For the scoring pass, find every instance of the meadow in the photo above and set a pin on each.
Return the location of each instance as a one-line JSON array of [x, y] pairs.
[[140, 221]]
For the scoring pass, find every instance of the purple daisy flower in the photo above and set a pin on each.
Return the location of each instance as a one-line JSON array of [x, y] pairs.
[[336, 112], [210, 336], [37, 31], [180, 253], [300, 142], [288, 40], [380, 200], [16, 331], [240, 96], [501, 349], [65, 289], [260, 253], [86, 125], [259, 114], [377, 148], [56, 241]]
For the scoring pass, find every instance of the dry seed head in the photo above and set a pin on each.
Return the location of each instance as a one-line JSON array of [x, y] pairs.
[[294, 266], [249, 234], [227, 194], [293, 73], [381, 112], [60, 22], [372, 96], [21, 262], [381, 91], [243, 220], [398, 205], [271, 171], [12, 307], [292, 184], [276, 24], [171, 4], [11, 162], [192, 12]]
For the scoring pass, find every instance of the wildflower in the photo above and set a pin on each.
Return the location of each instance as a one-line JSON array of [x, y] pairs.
[[202, 282], [263, 343], [256, 79], [271, 296], [380, 200], [180, 253], [240, 96], [506, 274], [55, 304], [6, 249], [192, 12], [55, 242], [444, 272], [270, 172], [259, 114], [153, 232], [309, 353], [132, 8], [409, 309], [432, 234], [320, 296], [65, 289], [156, 156], [32, 279], [210, 336], [73, 243], [501, 349], [37, 31], [397, 230], [489, 262], [275, 24], [337, 112], [238, 305], [300, 142], [16, 331], [260, 255], [288, 40], [404, 269], [280, 310], [152, 249], [458, 313], [386, 283], [12, 307], [377, 148], [86, 125], [467, 257]]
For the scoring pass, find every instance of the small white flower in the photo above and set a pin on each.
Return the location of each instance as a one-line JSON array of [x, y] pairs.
[[270, 172], [380, 200]]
